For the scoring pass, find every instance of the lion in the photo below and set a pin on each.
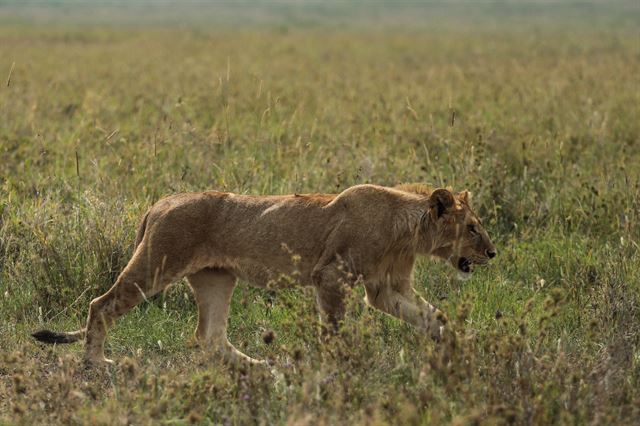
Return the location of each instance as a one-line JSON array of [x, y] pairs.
[[366, 234]]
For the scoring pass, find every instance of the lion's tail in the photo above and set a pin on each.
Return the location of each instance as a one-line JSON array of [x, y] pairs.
[[52, 337]]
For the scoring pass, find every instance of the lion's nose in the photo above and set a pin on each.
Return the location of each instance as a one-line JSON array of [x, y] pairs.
[[491, 254]]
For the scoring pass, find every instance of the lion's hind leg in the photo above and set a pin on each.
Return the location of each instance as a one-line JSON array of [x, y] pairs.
[[143, 277], [213, 288], [127, 292]]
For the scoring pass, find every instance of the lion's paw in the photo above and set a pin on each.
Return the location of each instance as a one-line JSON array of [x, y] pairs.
[[436, 325]]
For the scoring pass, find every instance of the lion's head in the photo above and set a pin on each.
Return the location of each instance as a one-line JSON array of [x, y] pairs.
[[457, 233]]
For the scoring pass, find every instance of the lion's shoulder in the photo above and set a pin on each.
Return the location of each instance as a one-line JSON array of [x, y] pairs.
[[364, 193], [377, 199], [415, 188], [407, 190]]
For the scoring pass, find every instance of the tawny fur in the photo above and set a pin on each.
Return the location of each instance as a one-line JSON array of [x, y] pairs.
[[367, 233]]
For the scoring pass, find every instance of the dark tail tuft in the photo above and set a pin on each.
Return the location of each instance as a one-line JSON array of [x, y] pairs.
[[52, 337]]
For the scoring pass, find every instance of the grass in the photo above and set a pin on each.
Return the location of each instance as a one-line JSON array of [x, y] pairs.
[[540, 122]]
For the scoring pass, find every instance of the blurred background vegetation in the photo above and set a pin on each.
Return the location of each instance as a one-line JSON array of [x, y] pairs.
[[533, 106]]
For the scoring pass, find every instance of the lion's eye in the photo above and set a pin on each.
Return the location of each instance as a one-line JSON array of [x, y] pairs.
[[472, 229]]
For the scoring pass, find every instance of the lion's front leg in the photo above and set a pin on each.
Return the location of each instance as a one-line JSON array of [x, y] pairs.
[[408, 306], [332, 306], [332, 282]]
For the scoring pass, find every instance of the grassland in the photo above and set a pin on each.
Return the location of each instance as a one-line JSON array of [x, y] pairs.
[[541, 122]]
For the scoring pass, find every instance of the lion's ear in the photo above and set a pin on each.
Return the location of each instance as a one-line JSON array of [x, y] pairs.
[[465, 197], [440, 201]]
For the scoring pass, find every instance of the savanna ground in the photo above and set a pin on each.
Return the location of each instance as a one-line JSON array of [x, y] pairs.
[[535, 109]]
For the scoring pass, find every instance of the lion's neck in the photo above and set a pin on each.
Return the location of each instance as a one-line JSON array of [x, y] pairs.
[[429, 238]]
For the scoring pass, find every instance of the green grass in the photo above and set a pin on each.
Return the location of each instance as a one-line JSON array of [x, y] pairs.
[[98, 122]]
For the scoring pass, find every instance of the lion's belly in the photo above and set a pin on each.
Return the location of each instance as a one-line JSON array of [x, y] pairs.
[[262, 276], [254, 274]]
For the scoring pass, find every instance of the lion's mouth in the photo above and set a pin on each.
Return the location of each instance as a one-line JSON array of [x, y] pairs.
[[464, 265], [467, 265]]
